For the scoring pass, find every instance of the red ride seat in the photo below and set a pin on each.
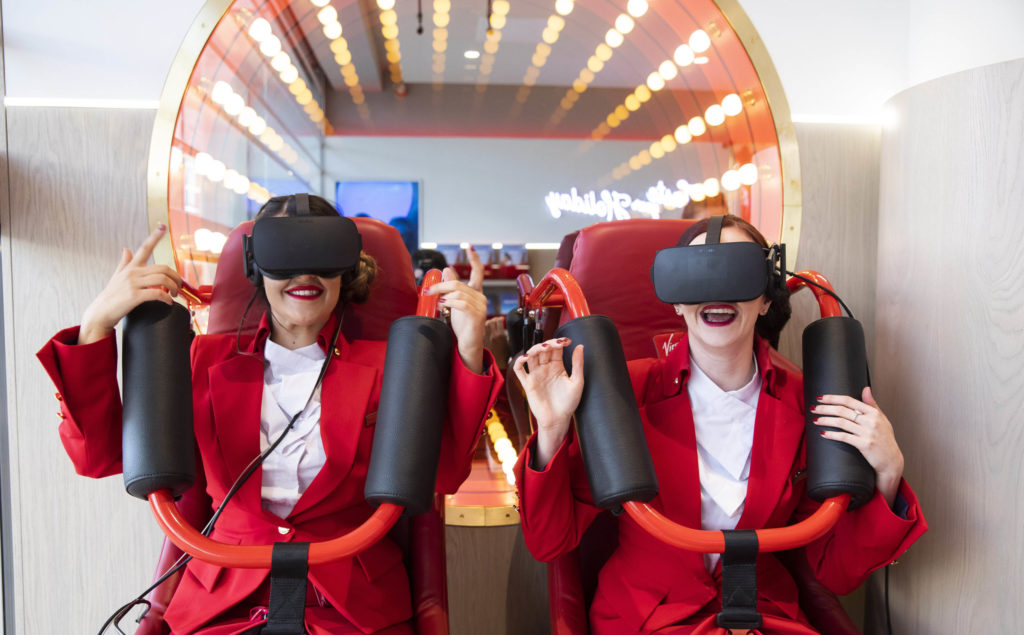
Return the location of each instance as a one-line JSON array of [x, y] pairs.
[[611, 262], [393, 295]]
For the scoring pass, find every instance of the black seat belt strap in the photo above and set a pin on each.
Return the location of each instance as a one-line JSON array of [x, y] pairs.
[[289, 566], [739, 581]]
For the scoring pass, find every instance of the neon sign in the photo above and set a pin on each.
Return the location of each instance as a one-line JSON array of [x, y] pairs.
[[612, 205]]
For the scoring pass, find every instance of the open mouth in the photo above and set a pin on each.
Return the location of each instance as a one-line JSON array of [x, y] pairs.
[[306, 292], [718, 314]]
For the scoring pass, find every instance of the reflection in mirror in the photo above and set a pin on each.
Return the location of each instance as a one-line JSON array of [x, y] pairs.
[[508, 121]]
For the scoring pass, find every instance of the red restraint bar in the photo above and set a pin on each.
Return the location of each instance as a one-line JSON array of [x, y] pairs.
[[668, 531], [194, 543]]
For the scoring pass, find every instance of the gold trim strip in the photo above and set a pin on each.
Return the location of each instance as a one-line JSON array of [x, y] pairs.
[[789, 155], [480, 515], [175, 85]]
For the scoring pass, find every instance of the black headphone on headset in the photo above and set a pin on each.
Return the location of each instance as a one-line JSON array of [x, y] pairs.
[[288, 246]]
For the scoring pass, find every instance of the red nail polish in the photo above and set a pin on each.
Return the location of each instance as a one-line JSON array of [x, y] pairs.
[[822, 433], [820, 397], [815, 420]]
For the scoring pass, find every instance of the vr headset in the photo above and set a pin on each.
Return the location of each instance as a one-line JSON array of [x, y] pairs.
[[288, 246], [716, 271]]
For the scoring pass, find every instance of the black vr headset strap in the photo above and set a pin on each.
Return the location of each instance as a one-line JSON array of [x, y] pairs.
[[302, 204], [714, 230]]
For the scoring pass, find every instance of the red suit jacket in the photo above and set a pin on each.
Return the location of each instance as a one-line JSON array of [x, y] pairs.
[[647, 585], [371, 590]]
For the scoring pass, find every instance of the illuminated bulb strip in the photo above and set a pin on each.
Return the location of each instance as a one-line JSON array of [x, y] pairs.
[[328, 17], [203, 164], [499, 16], [730, 181], [389, 29], [234, 104], [550, 35], [603, 52], [503, 447], [685, 55], [269, 45], [442, 18]]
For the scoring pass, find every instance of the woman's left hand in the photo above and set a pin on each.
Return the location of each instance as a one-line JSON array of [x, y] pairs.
[[863, 425], [468, 313]]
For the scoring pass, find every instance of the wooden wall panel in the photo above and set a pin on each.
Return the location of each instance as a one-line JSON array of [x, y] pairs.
[[77, 195], [950, 345], [839, 225]]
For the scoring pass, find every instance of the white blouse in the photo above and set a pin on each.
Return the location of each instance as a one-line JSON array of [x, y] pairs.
[[724, 426], [287, 382]]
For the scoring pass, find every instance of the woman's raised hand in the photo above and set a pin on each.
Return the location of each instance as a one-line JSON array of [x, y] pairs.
[[133, 283], [468, 314], [863, 425], [553, 394]]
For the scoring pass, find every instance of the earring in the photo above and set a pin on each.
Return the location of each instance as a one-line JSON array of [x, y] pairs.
[[679, 309]]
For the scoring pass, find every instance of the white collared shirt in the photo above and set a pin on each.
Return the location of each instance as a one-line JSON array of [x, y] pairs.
[[724, 425], [288, 380]]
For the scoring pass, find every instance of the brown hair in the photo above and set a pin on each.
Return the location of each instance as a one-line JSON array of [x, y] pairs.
[[355, 284], [769, 325]]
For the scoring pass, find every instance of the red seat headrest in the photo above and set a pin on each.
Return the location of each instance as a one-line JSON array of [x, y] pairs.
[[392, 295], [612, 263]]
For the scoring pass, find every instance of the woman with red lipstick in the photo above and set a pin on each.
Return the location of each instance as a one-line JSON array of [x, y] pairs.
[[723, 418], [249, 390]]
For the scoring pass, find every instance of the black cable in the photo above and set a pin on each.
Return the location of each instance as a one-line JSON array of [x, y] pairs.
[[250, 469], [825, 289], [888, 617]]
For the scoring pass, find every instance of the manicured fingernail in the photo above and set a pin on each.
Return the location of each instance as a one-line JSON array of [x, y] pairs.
[[815, 420], [822, 433], [161, 227], [820, 397], [472, 248], [441, 300]]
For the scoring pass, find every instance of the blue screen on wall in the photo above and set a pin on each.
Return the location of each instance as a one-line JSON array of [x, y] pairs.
[[396, 203]]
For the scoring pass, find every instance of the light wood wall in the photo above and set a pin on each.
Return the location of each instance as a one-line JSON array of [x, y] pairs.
[[950, 345], [77, 195]]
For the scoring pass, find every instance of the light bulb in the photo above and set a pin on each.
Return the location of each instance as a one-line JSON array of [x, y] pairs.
[[683, 55], [613, 38], [289, 74], [696, 192], [699, 41], [656, 150], [202, 162], [247, 116], [603, 52], [731, 180], [234, 104], [643, 93], [280, 61], [500, 7], [202, 239], [624, 24], [319, 3], [260, 30], [711, 187], [216, 171], [270, 46], [668, 70], [668, 142], [257, 127], [682, 134], [632, 103], [748, 174], [556, 23], [696, 126], [386, 5], [332, 31], [655, 82], [564, 7], [714, 115], [682, 185], [327, 15], [732, 105], [637, 8], [221, 92], [218, 240]]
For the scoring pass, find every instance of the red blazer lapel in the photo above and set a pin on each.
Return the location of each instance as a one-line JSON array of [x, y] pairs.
[[236, 391], [345, 398], [673, 444], [778, 431]]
